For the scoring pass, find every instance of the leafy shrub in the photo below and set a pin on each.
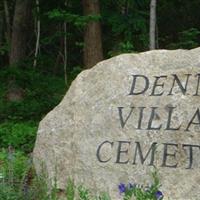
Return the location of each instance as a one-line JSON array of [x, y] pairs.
[[7, 192], [13, 166], [17, 178], [187, 39], [19, 135], [122, 47], [42, 92]]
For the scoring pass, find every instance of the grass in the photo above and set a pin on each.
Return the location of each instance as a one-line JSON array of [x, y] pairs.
[[18, 181]]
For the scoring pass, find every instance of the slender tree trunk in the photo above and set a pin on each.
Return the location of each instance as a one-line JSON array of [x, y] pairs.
[[93, 52], [152, 34], [65, 51], [1, 28], [65, 48], [7, 19], [20, 30], [37, 46], [157, 36]]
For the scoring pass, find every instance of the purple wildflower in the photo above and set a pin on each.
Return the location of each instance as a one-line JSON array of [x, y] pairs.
[[122, 188], [159, 195]]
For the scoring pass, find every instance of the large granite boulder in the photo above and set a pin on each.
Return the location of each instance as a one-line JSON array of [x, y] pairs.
[[123, 117]]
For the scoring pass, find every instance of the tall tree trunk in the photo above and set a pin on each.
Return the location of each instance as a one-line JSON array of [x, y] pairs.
[[152, 32], [93, 52], [20, 30], [1, 27]]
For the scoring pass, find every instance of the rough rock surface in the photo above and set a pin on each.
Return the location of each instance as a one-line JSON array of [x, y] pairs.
[[100, 134]]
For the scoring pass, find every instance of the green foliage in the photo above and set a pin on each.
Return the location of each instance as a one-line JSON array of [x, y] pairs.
[[50, 40], [140, 193], [41, 93], [123, 47], [74, 72], [188, 39], [126, 26], [13, 166], [83, 193], [19, 135], [70, 190], [18, 180], [4, 49], [174, 18], [104, 196], [76, 20], [7, 192], [19, 119]]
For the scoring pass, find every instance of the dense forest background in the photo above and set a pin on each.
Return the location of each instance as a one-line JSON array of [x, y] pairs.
[[44, 44]]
